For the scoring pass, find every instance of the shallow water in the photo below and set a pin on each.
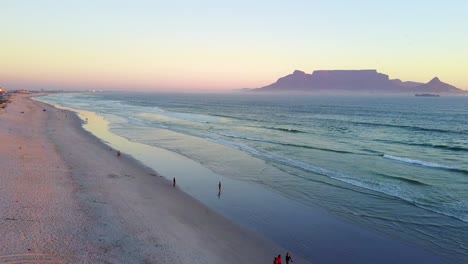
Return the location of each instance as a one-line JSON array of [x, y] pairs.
[[397, 165]]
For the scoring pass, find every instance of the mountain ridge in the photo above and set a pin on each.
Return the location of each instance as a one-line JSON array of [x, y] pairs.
[[360, 81]]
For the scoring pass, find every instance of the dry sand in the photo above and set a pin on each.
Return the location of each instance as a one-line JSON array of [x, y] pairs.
[[65, 197]]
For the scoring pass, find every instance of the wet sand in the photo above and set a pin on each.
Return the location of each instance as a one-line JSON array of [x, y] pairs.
[[67, 198]]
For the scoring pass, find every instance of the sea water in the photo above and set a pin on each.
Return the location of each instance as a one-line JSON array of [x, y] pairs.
[[398, 165]]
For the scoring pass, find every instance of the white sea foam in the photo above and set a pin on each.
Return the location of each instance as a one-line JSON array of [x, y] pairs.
[[420, 162], [457, 209]]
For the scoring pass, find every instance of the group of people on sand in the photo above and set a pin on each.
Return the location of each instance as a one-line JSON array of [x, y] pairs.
[[279, 260]]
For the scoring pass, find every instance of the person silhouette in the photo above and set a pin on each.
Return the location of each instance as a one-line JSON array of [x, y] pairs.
[[279, 260], [173, 182], [288, 258]]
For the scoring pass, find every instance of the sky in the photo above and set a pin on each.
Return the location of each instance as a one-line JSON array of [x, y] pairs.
[[222, 45]]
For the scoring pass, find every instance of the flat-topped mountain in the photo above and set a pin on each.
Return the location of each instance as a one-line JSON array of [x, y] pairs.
[[364, 81]]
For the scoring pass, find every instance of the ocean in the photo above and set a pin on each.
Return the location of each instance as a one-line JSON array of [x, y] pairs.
[[395, 165]]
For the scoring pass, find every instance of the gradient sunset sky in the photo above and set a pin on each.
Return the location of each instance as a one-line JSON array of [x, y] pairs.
[[209, 45]]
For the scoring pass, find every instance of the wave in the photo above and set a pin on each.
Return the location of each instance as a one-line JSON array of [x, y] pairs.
[[425, 163], [413, 128], [323, 149], [453, 148], [407, 127], [146, 122], [284, 129], [289, 144], [238, 118], [403, 179], [456, 211], [437, 146], [196, 118], [311, 168], [460, 206], [389, 190], [290, 130], [144, 113], [412, 181], [375, 152], [138, 122]]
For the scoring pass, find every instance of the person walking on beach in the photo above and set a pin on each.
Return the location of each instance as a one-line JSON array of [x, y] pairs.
[[219, 186], [274, 261], [288, 258], [279, 260], [118, 153], [173, 182]]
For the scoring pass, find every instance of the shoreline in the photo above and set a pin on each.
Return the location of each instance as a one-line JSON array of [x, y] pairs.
[[329, 238], [308, 230], [129, 215]]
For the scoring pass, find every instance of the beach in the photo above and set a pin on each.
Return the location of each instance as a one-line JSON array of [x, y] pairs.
[[68, 198]]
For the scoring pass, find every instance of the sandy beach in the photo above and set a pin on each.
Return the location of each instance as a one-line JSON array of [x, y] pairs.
[[67, 198]]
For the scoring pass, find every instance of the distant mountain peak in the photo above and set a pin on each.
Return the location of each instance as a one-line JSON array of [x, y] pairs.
[[298, 72], [356, 81]]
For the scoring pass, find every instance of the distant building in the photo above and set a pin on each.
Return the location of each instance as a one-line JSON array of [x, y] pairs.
[[2, 92], [23, 91], [3, 98]]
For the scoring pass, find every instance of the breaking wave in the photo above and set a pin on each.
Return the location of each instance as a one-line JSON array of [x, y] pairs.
[[425, 163]]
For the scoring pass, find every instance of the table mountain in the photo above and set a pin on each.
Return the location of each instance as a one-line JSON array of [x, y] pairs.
[[360, 81]]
